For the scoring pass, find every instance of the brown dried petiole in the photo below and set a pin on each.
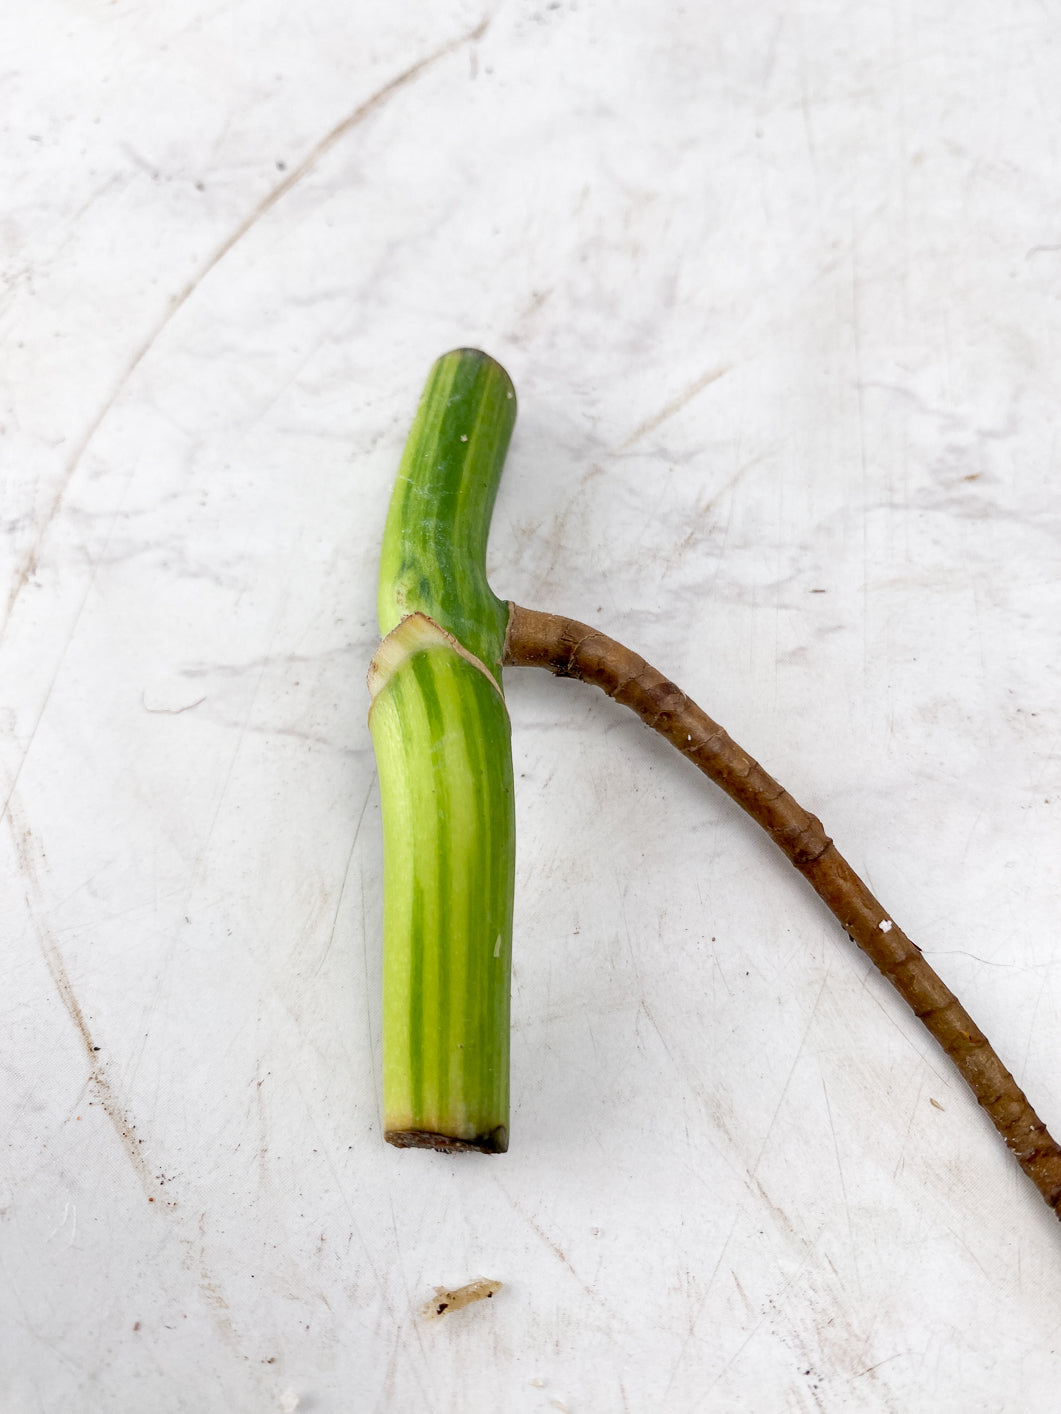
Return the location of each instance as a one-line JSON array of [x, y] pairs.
[[571, 649]]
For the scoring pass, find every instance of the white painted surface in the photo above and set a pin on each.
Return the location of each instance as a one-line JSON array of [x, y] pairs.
[[779, 289]]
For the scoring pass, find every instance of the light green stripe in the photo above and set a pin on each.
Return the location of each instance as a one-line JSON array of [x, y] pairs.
[[442, 741], [437, 952]]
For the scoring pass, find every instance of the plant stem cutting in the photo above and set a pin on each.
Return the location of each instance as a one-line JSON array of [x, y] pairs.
[[441, 735]]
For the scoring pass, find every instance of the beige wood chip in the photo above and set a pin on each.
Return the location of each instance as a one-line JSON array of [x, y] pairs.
[[445, 1301]]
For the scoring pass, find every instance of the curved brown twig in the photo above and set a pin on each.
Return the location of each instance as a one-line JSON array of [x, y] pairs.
[[571, 649]]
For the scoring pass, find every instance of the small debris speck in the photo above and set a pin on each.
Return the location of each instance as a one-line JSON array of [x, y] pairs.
[[885, 925]]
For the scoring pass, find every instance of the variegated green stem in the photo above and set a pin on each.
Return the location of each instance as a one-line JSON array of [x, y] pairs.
[[441, 735]]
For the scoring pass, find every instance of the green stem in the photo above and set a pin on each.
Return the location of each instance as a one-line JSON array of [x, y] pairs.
[[441, 734], [434, 544]]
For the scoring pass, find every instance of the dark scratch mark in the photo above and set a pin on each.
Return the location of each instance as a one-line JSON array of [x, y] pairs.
[[753, 1171], [368, 991], [195, 1264], [900, 1161], [843, 1188], [44, 705], [560, 522], [346, 876], [170, 711], [263, 1137], [28, 565], [704, 506], [356, 647], [26, 849], [674, 406], [211, 1290], [352, 753], [779, 1213], [870, 1368], [553, 1247], [690, 1332]]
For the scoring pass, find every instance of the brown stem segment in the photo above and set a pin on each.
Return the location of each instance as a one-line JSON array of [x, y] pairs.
[[571, 649]]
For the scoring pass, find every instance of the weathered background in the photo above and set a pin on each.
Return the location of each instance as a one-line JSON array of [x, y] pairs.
[[779, 289]]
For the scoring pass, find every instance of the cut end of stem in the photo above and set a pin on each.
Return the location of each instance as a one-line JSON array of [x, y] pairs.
[[496, 1142]]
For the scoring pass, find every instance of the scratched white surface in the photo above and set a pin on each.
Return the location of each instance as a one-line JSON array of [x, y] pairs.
[[780, 289]]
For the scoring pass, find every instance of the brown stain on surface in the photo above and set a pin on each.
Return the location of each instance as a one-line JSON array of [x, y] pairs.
[[211, 1291], [29, 851], [674, 406]]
